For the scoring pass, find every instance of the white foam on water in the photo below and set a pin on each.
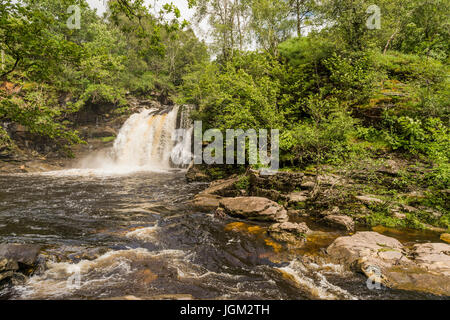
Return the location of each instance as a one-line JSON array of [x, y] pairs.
[[143, 234], [103, 172], [314, 282], [108, 270]]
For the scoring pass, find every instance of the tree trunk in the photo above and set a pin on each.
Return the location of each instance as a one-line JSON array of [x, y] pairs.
[[299, 19], [390, 40]]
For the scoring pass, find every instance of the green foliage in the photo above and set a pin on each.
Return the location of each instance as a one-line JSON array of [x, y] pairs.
[[243, 183], [5, 141], [326, 140], [409, 67], [243, 95], [34, 113], [99, 64]]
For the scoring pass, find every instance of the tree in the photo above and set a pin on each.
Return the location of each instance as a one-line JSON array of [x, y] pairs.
[[271, 24], [226, 17], [26, 37], [302, 10], [347, 21]]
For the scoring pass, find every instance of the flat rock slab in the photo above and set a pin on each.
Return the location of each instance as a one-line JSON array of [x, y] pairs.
[[254, 208], [206, 202], [349, 249], [434, 257], [295, 228], [425, 267], [445, 237]]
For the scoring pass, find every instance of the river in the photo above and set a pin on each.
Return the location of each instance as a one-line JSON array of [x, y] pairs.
[[135, 234]]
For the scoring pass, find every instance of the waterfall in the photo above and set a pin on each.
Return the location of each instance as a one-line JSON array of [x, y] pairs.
[[150, 140], [181, 154]]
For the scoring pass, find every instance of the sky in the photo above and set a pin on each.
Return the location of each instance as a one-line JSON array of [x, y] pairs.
[[181, 4], [186, 13]]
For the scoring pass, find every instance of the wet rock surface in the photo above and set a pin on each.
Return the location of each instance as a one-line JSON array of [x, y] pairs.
[[25, 254], [292, 233], [196, 174], [17, 261], [206, 202], [425, 267]]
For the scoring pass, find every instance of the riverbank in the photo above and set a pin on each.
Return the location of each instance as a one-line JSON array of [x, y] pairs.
[[368, 225], [138, 235]]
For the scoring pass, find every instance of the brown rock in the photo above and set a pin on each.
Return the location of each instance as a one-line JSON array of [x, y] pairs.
[[289, 232], [369, 200], [25, 254], [434, 257], [254, 208], [363, 244], [296, 197], [206, 202], [340, 221], [296, 228], [408, 209], [195, 174], [273, 195], [426, 268], [390, 167]]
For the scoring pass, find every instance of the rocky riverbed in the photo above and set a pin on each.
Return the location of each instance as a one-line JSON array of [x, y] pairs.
[[281, 201]]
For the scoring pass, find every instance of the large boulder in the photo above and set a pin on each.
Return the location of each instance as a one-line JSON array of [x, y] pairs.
[[209, 199], [425, 268], [224, 188], [254, 208], [24, 254], [196, 174], [435, 257], [348, 250], [17, 261]]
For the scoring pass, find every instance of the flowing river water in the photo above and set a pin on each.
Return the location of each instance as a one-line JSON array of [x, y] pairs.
[[116, 232]]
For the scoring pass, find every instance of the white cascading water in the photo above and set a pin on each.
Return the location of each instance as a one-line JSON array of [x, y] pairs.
[[149, 140], [181, 154]]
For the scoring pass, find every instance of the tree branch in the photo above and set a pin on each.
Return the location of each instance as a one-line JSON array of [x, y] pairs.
[[11, 70]]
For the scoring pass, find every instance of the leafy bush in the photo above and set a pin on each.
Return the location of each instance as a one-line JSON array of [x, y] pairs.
[[327, 140], [409, 67]]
